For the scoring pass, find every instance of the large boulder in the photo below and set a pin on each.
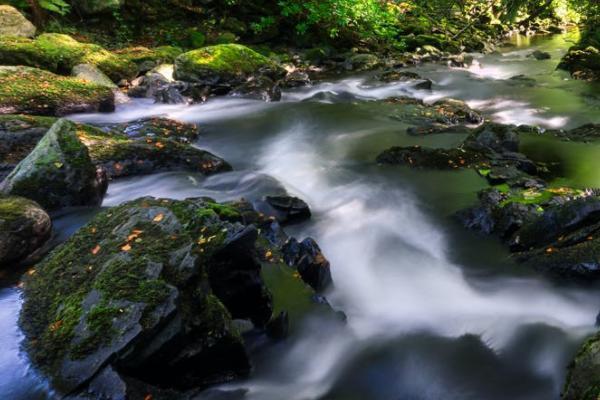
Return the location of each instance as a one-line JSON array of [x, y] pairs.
[[226, 64], [59, 53], [13, 23], [33, 91], [24, 228], [582, 62], [147, 59], [58, 172], [150, 292]]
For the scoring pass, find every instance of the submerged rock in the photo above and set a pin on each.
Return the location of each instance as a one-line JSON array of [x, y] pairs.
[[13, 23], [147, 292], [540, 55], [439, 115], [33, 91], [24, 228], [58, 172]]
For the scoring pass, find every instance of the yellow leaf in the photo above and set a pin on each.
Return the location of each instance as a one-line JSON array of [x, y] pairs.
[[158, 218]]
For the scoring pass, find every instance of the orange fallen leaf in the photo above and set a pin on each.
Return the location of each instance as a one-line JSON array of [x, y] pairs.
[[158, 218], [127, 247], [96, 249]]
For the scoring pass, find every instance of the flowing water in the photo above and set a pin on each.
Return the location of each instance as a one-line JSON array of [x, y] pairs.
[[434, 312]]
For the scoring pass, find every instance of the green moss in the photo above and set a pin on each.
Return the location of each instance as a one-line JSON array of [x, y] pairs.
[[60, 53], [583, 378], [144, 57], [224, 59], [225, 212], [30, 90]]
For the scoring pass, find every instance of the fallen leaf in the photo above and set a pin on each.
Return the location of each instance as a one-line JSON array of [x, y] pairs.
[[127, 247], [96, 249]]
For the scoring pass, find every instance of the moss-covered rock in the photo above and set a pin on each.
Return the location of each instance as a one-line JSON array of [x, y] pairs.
[[58, 172], [19, 134], [13, 23], [583, 379], [158, 128], [150, 290], [24, 228], [60, 53], [230, 64], [147, 59], [33, 91], [582, 62], [121, 155], [429, 117]]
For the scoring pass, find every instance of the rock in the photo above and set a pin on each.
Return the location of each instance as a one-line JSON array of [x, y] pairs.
[[362, 62], [58, 172], [260, 88], [440, 115], [540, 55], [523, 80], [405, 76], [89, 73], [92, 7], [296, 79], [33, 91], [148, 85], [157, 127], [460, 60], [172, 93], [145, 296], [13, 23], [24, 228], [227, 64], [312, 266], [582, 63], [59, 53], [286, 209], [584, 133], [583, 378], [19, 134], [148, 59], [120, 155]]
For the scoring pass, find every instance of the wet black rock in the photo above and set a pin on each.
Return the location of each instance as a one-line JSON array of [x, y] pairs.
[[310, 262], [540, 55], [296, 79], [259, 88]]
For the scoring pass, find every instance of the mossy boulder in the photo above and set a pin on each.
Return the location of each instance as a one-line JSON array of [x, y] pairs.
[[147, 59], [122, 155], [19, 134], [150, 290], [24, 228], [583, 379], [13, 23], [59, 53], [227, 64], [362, 62], [582, 62], [58, 172], [33, 91]]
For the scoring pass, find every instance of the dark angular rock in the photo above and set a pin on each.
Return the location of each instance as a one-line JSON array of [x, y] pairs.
[[308, 259]]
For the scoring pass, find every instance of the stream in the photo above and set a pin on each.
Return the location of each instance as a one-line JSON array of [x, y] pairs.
[[434, 311]]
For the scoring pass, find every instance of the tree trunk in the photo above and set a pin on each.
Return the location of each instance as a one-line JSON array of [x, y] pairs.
[[38, 14]]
